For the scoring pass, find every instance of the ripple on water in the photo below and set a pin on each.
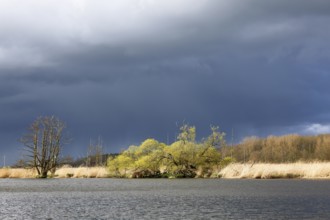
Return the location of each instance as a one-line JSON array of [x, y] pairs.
[[164, 199]]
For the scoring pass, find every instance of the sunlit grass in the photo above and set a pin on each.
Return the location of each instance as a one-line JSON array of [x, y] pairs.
[[285, 170], [312, 170], [64, 172], [17, 173], [81, 172]]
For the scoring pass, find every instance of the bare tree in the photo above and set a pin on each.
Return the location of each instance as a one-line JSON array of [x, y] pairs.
[[43, 142], [95, 153]]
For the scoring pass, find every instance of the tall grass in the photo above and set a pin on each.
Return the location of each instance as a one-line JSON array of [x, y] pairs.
[[235, 170], [81, 172], [17, 173], [64, 172], [284, 170]]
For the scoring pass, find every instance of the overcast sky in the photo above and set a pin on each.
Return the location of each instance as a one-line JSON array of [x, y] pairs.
[[127, 70]]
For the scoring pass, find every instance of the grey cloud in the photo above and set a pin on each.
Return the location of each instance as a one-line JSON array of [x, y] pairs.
[[131, 71]]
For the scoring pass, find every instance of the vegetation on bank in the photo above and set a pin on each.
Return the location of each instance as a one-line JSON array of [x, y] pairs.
[[62, 172], [312, 170], [184, 158], [7, 172], [43, 142], [281, 149], [288, 156]]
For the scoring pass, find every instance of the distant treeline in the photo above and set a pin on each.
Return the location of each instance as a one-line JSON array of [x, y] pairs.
[[278, 149], [94, 160], [187, 157]]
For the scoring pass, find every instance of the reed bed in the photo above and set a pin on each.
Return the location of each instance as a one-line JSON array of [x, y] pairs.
[[81, 172], [17, 173], [313, 170], [63, 172]]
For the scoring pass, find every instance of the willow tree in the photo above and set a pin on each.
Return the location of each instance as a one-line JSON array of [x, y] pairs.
[[184, 157], [43, 142]]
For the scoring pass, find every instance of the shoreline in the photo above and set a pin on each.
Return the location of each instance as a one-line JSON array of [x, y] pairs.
[[298, 170], [63, 172]]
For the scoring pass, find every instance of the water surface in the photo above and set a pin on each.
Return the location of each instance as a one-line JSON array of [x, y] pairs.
[[164, 199]]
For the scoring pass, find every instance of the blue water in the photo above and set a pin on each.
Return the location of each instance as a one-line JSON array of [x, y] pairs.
[[164, 199]]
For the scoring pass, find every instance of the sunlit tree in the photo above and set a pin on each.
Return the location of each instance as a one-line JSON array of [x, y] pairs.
[[180, 159]]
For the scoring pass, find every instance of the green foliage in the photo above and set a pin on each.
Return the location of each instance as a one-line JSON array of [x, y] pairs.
[[216, 139], [187, 133], [120, 164], [147, 156], [179, 159], [226, 161], [149, 146]]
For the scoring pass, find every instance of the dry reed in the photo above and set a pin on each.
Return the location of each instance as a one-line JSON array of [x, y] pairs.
[[286, 170], [81, 172], [17, 173], [64, 172], [312, 170]]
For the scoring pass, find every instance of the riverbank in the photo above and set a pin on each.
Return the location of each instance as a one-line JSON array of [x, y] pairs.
[[312, 170], [63, 172]]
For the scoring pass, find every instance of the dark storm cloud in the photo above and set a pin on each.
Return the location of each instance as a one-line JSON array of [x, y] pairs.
[[128, 71]]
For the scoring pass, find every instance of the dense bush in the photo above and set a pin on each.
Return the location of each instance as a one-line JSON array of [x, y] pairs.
[[183, 158]]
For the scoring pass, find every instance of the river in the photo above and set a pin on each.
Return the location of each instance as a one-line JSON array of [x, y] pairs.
[[164, 199]]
